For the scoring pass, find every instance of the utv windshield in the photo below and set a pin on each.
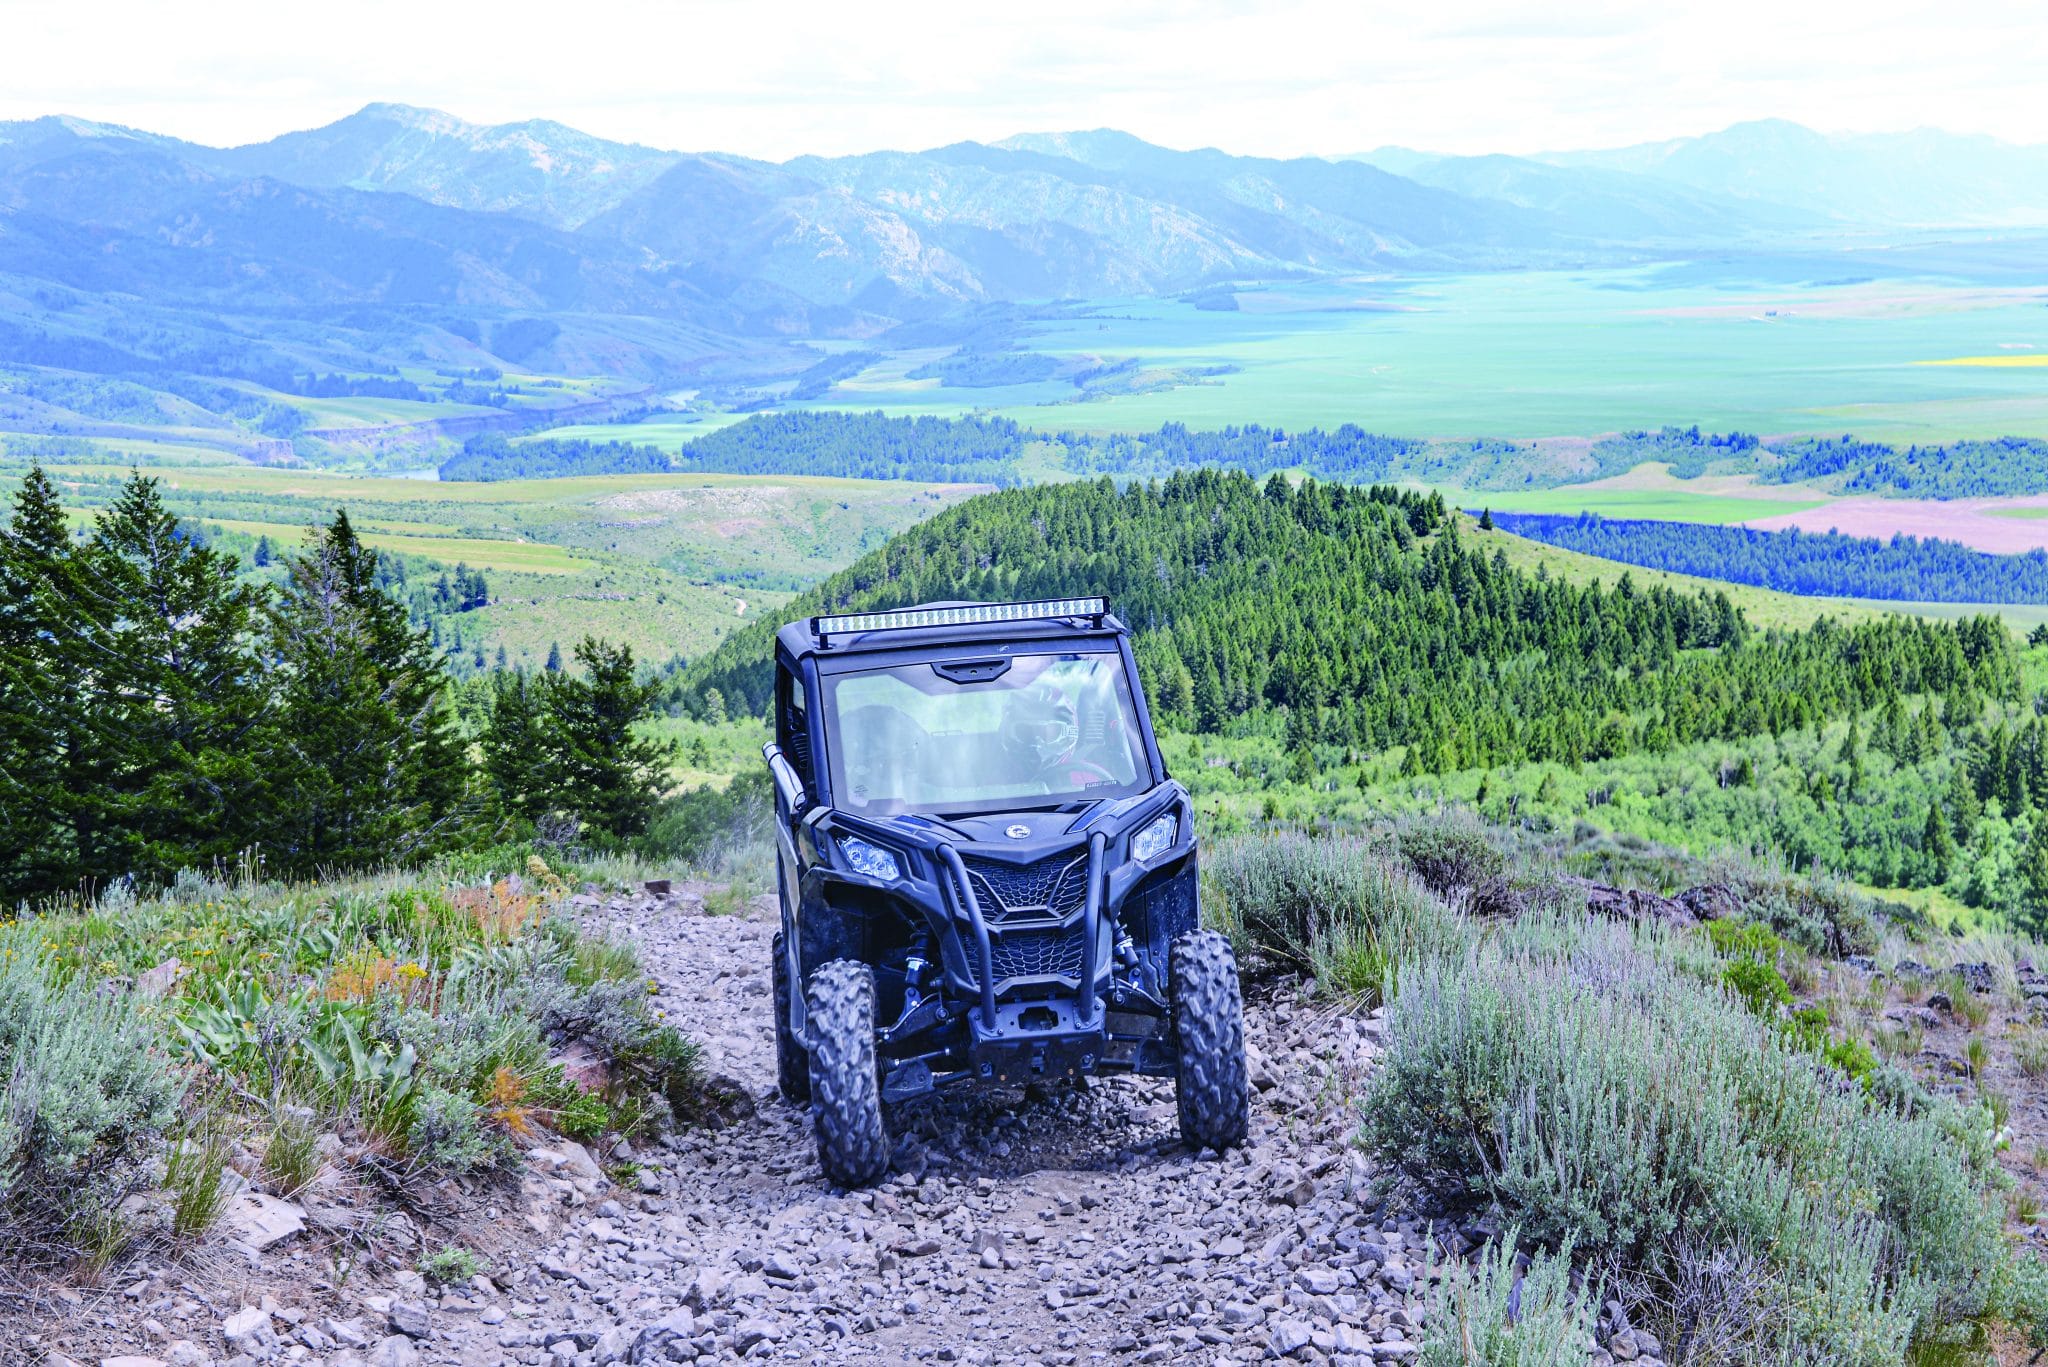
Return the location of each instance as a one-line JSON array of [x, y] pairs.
[[983, 735]]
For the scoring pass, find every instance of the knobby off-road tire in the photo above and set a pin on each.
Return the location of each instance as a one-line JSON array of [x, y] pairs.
[[792, 1065], [846, 1095], [1208, 1028]]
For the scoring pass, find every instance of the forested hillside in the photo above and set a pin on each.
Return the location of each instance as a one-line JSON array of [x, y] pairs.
[[161, 711], [1963, 469], [1363, 619], [1828, 564]]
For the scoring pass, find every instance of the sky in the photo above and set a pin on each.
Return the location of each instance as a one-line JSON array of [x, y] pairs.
[[776, 78]]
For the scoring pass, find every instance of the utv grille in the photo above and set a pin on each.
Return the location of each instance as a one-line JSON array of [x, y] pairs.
[[1048, 889], [1051, 953]]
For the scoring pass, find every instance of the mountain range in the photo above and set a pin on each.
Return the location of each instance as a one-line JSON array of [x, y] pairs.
[[1770, 173], [416, 229]]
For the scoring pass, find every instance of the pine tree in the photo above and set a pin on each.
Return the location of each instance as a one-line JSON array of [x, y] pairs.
[[2033, 873], [1937, 844], [554, 665], [514, 750], [598, 767], [176, 694], [1962, 806], [39, 697], [367, 769]]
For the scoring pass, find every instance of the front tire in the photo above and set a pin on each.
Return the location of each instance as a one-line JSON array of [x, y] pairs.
[[1208, 1028], [846, 1097], [792, 1065]]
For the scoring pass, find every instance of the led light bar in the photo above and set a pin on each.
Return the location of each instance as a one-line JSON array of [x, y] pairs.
[[970, 614]]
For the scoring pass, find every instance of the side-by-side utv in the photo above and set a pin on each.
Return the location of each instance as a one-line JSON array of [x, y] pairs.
[[986, 874]]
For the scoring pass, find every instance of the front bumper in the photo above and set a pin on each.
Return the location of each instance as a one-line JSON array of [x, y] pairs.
[[1114, 1019]]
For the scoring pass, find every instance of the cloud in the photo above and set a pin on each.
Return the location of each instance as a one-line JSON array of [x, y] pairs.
[[1287, 77]]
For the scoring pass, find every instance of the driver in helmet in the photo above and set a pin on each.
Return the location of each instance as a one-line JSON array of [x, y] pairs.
[[1039, 728]]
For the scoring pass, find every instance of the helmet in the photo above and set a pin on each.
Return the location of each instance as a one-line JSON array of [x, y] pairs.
[[1038, 724]]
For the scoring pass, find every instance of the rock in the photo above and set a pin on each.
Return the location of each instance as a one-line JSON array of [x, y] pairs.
[[158, 981], [581, 1065], [612, 1346], [259, 1220], [1289, 1337], [657, 1342], [1979, 977], [395, 1351], [248, 1330], [750, 1332], [131, 1360], [1633, 904], [349, 1333], [577, 1161], [1318, 1281], [410, 1319], [186, 1353], [1939, 1001]]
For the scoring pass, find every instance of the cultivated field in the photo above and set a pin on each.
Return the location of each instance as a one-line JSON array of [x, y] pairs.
[[1545, 353], [666, 563], [2004, 526]]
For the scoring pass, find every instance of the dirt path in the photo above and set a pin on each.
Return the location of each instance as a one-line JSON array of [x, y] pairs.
[[1058, 1228]]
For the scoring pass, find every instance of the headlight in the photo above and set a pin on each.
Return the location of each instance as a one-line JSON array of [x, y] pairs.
[[1157, 838], [870, 859]]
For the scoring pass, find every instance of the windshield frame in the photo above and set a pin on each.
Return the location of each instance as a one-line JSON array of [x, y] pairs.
[[1149, 766]]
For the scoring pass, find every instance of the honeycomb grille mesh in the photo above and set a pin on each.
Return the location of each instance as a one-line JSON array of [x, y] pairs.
[[1054, 886], [1050, 953]]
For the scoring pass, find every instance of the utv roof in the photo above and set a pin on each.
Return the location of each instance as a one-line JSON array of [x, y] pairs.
[[944, 623]]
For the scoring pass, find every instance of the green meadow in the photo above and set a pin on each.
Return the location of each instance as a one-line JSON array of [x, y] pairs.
[[1542, 353], [667, 563]]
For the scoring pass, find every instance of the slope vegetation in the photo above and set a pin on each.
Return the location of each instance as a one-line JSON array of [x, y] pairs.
[[1363, 618]]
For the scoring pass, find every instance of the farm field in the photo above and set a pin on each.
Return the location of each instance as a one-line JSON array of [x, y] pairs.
[[670, 434], [2003, 526], [1544, 353], [667, 564], [1672, 505]]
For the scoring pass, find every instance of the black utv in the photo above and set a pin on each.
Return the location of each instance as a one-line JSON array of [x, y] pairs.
[[986, 874]]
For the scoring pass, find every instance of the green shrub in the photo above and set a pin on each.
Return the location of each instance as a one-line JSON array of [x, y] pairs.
[[1575, 1075], [195, 1170], [707, 827], [2030, 1051], [1821, 914], [1339, 906], [585, 1117], [447, 1132], [1852, 1056], [1452, 852], [452, 1265], [85, 1097], [1476, 1316], [1760, 986], [290, 1159]]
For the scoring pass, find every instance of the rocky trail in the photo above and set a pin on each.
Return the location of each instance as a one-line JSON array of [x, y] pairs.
[[1056, 1227]]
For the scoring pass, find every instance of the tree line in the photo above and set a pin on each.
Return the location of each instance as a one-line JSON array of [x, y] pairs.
[[1360, 617], [1962, 469], [159, 710], [1903, 568]]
